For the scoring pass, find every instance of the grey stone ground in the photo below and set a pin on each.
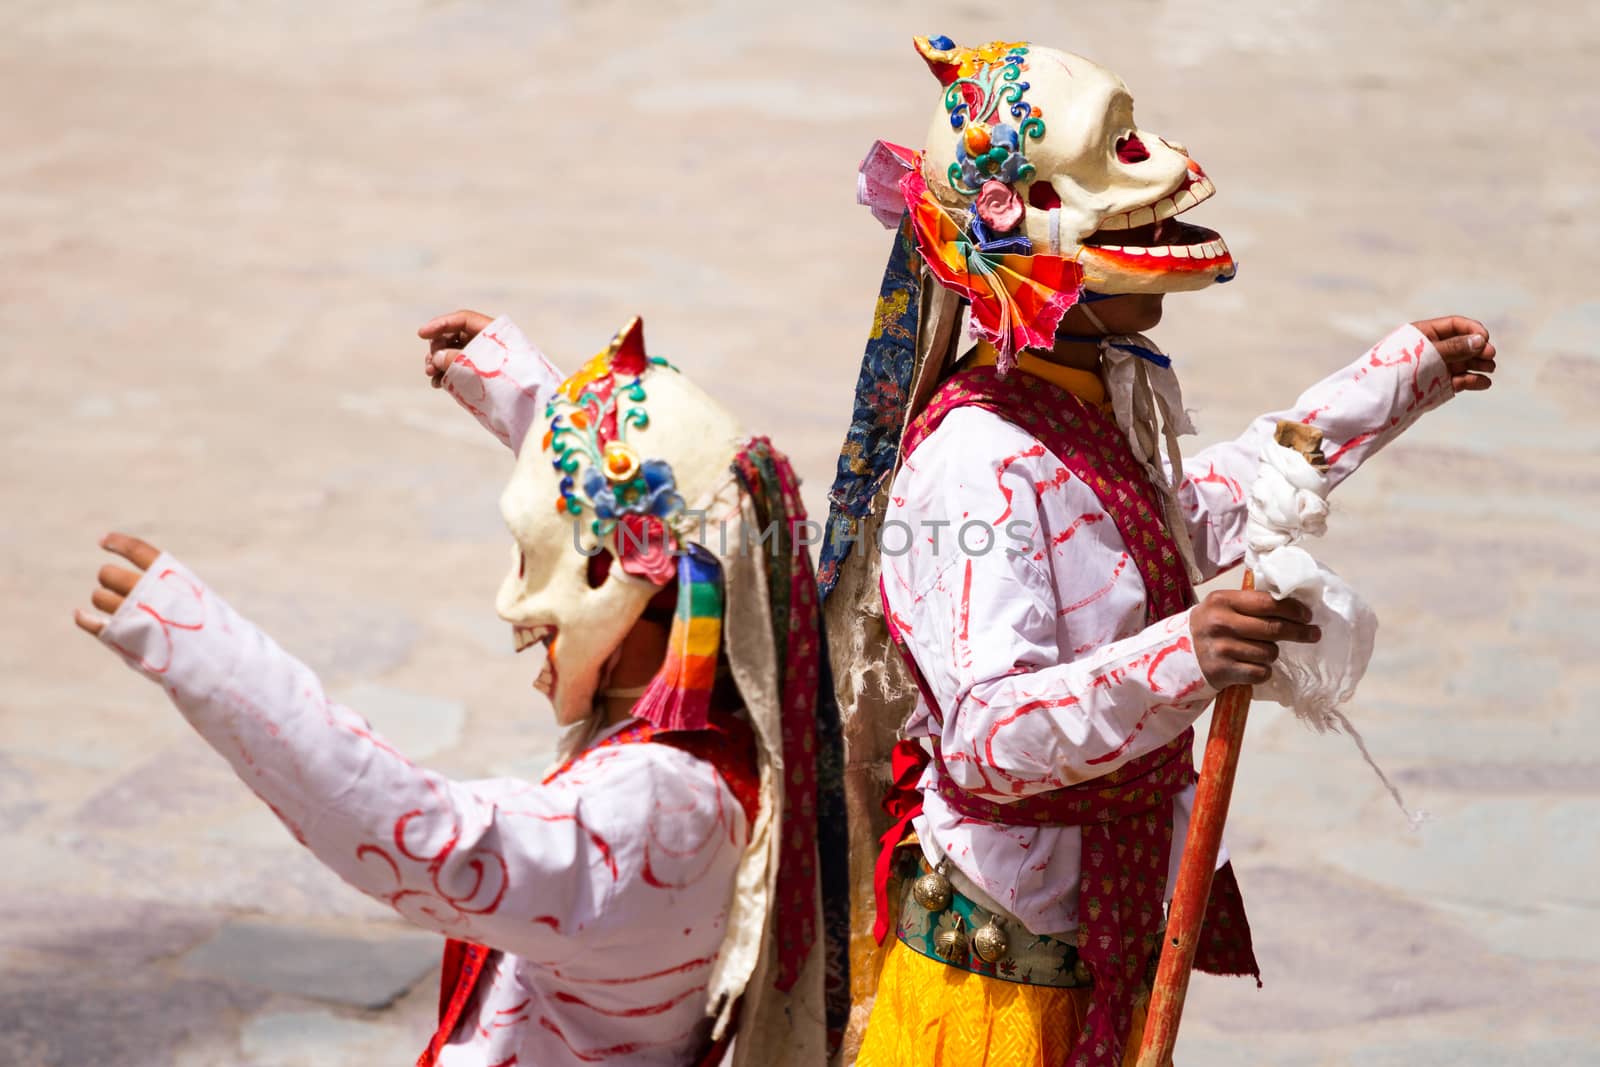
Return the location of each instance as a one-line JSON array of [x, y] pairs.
[[222, 222]]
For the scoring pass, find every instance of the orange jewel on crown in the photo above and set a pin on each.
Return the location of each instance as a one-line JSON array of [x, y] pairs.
[[621, 462]]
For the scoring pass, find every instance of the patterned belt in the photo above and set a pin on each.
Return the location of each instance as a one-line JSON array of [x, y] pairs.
[[954, 936]]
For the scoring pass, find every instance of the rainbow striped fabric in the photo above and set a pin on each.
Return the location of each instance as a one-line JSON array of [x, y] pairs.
[[1017, 301], [679, 697]]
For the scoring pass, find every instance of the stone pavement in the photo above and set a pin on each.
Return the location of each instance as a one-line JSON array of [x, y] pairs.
[[223, 222]]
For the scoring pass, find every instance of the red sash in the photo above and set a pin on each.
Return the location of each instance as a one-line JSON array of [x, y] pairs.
[[1125, 816], [728, 745]]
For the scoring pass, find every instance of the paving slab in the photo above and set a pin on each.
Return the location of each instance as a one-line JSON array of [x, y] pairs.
[[324, 964], [321, 1039]]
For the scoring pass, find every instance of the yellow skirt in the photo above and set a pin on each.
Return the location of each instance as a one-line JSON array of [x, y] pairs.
[[926, 1014]]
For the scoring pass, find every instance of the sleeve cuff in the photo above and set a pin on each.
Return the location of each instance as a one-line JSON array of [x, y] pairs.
[[1408, 336], [1431, 366], [1176, 668], [497, 340], [173, 629]]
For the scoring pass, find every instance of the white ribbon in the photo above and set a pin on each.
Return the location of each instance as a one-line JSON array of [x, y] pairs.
[[1148, 405], [1288, 502]]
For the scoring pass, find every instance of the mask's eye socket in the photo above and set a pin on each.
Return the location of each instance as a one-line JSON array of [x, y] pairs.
[[522, 564], [1042, 195], [1131, 150], [599, 566]]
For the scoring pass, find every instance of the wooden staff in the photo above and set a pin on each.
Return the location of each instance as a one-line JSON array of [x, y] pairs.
[[1199, 862]]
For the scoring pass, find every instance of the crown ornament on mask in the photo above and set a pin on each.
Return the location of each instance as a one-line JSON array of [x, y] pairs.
[[982, 87], [602, 473]]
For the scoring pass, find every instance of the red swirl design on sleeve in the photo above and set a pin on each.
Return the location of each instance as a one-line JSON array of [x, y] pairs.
[[194, 589], [485, 867]]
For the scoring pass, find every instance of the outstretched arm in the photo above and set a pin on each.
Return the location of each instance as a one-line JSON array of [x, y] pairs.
[[1025, 715], [1038, 678], [491, 369], [514, 865], [1359, 410]]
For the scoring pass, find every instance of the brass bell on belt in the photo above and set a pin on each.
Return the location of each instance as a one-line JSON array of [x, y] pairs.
[[951, 943], [990, 941], [933, 890]]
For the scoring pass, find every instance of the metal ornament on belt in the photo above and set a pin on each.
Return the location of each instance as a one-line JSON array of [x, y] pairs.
[[951, 942], [990, 941], [933, 890]]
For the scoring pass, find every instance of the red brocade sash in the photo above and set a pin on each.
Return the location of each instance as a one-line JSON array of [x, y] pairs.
[[728, 744], [1125, 816]]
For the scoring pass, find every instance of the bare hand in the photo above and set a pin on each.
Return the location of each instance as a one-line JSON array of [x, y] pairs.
[[1236, 634], [447, 335], [115, 582], [1466, 348]]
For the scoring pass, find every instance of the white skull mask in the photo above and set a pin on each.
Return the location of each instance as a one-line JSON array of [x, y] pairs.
[[629, 448], [1042, 144]]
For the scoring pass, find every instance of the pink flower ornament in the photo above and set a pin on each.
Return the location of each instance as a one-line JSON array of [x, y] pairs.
[[999, 206], [645, 548]]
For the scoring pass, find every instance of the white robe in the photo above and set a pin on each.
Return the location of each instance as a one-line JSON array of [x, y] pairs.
[[1038, 652], [604, 893]]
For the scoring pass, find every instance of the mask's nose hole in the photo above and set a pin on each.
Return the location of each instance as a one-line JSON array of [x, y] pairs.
[[1132, 150], [522, 564]]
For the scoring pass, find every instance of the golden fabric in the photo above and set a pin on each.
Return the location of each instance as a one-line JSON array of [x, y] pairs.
[[929, 1015], [1083, 384]]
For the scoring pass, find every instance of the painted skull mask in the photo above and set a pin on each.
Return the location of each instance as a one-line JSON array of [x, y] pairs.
[[632, 459], [1042, 145]]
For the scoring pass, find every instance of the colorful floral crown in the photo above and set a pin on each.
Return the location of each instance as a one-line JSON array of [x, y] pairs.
[[602, 474], [982, 87]]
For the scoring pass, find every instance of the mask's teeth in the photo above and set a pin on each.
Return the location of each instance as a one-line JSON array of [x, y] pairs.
[[524, 637]]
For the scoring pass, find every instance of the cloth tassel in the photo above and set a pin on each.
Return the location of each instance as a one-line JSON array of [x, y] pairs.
[[1016, 301], [878, 181], [1148, 405], [797, 633], [679, 697]]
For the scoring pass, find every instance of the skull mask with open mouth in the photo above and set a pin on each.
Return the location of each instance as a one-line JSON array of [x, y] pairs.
[[1040, 146], [633, 458]]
